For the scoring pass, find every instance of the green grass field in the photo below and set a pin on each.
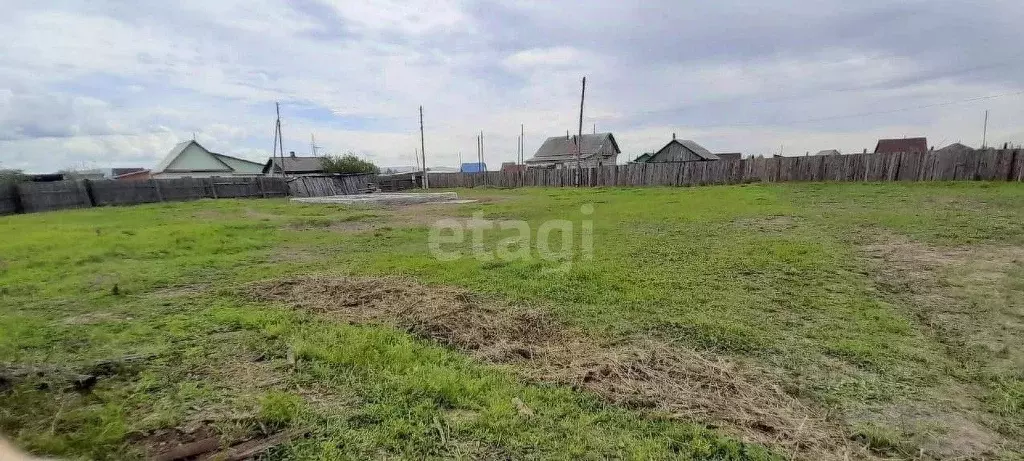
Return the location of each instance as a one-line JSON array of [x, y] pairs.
[[742, 322]]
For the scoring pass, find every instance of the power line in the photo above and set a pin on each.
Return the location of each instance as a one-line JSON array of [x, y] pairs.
[[891, 111], [794, 95]]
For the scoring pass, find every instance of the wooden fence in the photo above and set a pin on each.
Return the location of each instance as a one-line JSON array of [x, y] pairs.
[[10, 203], [28, 197], [327, 185], [987, 165]]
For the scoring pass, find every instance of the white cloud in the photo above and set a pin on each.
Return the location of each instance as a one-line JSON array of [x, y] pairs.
[[557, 57]]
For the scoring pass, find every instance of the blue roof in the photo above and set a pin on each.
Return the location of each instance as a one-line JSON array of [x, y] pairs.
[[473, 167]]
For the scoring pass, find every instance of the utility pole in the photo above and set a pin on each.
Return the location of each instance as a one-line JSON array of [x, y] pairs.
[[579, 138], [984, 133], [314, 149], [522, 142], [416, 155], [273, 155], [423, 152], [278, 138], [518, 149], [482, 150]]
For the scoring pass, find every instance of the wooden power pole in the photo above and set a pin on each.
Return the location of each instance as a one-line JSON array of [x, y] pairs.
[[522, 143], [984, 132], [423, 152], [278, 141], [579, 138]]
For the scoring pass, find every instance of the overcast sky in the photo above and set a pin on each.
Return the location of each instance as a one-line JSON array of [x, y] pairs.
[[101, 84]]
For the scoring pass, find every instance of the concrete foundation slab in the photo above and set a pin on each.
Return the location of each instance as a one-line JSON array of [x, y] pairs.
[[385, 199]]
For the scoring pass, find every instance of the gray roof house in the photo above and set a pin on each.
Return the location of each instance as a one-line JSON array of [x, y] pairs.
[[560, 152], [642, 158], [294, 165], [681, 151], [955, 148], [829, 152]]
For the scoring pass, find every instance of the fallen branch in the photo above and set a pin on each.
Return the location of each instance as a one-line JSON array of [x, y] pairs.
[[251, 448]]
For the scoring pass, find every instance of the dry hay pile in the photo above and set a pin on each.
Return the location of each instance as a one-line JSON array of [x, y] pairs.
[[648, 374]]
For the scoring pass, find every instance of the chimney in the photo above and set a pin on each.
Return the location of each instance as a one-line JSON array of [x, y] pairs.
[[673, 136], [865, 150], [292, 153]]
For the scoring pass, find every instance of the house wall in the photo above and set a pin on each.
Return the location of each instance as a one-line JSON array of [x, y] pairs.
[[241, 167], [605, 159], [674, 152], [592, 162], [201, 174]]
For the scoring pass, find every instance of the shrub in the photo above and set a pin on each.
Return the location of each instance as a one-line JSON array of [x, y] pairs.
[[348, 164], [11, 176]]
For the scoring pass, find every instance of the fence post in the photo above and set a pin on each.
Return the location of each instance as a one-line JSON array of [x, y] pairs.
[[86, 185], [12, 190], [1013, 164], [156, 187], [213, 186], [259, 184]]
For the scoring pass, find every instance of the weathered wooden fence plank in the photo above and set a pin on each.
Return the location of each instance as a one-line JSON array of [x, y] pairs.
[[916, 166], [10, 201], [57, 195], [46, 196]]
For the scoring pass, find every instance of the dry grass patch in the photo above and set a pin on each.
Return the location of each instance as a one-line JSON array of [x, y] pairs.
[[971, 301], [643, 373], [971, 298]]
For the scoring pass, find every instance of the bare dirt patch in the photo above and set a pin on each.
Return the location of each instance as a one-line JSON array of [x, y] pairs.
[[769, 225], [95, 318], [210, 214], [643, 373], [179, 291], [293, 254], [423, 215], [971, 301]]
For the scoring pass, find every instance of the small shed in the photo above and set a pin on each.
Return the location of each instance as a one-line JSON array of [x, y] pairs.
[[685, 150], [904, 145], [475, 167], [955, 148], [512, 167], [294, 165]]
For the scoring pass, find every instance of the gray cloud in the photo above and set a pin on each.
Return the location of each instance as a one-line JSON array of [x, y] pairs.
[[123, 78]]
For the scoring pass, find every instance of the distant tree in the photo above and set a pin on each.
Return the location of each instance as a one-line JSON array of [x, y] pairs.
[[12, 176], [347, 164]]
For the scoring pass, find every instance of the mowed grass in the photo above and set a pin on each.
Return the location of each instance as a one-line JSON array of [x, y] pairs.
[[771, 276]]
